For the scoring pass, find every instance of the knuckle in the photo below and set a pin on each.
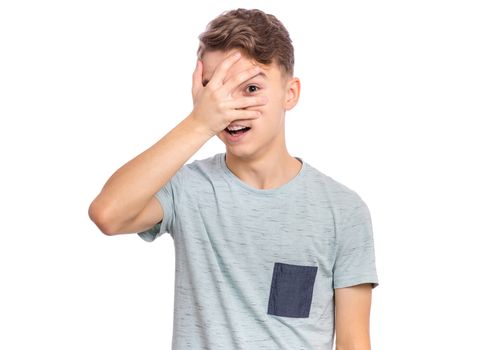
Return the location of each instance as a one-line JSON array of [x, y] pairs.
[[222, 106], [214, 95], [226, 63]]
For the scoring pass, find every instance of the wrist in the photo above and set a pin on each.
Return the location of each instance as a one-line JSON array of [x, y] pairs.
[[196, 126]]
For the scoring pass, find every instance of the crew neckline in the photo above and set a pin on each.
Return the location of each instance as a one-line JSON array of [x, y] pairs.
[[267, 191]]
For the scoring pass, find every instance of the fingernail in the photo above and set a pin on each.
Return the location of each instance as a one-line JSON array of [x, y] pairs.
[[237, 54]]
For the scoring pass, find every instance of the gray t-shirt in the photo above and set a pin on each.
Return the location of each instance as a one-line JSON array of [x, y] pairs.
[[256, 268]]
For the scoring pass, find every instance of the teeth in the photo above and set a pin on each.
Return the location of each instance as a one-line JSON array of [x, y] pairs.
[[236, 127]]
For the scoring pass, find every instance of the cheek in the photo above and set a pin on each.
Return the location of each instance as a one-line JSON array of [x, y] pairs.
[[272, 106]]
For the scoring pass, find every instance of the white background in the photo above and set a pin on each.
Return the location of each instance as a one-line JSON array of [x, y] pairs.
[[394, 104]]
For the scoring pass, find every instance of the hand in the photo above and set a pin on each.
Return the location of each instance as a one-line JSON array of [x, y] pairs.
[[214, 106]]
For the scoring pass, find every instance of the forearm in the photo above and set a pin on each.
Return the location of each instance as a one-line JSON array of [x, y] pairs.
[[130, 188]]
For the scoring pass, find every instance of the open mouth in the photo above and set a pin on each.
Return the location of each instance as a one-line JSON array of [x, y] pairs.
[[237, 132]]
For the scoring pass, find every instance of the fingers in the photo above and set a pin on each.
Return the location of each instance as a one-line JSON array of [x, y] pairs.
[[245, 102], [220, 72], [197, 79], [238, 79], [237, 107], [244, 114]]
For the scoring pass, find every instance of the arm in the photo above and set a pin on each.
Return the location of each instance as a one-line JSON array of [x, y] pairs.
[[126, 203], [352, 310], [129, 191]]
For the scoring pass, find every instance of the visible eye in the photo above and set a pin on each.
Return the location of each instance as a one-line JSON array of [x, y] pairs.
[[256, 88]]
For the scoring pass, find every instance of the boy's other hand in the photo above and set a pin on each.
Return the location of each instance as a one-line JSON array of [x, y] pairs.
[[214, 106]]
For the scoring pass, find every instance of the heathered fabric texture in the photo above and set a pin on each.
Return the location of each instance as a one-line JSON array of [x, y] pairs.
[[256, 269]]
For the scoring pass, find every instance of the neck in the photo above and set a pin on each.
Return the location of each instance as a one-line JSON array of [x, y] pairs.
[[270, 170]]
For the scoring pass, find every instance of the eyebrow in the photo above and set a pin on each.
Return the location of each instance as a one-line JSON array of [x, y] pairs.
[[260, 74]]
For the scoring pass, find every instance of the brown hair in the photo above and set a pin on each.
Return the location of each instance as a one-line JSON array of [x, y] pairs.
[[259, 36]]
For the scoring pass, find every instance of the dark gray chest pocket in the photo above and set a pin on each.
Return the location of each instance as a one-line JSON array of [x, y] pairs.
[[291, 290]]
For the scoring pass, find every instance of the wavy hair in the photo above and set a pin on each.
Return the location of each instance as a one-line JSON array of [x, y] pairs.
[[258, 35]]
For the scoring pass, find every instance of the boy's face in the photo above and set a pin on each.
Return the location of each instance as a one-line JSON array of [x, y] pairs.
[[267, 131]]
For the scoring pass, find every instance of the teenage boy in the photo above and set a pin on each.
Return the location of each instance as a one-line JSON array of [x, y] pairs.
[[270, 253]]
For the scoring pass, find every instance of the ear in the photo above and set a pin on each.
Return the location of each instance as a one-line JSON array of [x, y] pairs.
[[293, 87]]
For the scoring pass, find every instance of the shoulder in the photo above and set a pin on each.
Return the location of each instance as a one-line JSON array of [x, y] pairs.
[[202, 168], [196, 173], [339, 195], [208, 164]]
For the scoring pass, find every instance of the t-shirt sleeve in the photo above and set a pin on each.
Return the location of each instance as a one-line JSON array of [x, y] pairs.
[[166, 196], [355, 261]]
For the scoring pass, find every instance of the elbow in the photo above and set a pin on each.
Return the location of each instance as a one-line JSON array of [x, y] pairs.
[[101, 219]]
